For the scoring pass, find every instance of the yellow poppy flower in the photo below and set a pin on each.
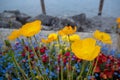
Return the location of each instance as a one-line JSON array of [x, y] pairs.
[[14, 34], [53, 36], [74, 37], [97, 34], [65, 38], [102, 36], [44, 40], [61, 33], [106, 38], [67, 30], [118, 20], [86, 49], [30, 29]]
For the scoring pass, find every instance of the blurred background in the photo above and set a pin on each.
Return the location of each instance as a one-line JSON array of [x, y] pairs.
[[63, 7]]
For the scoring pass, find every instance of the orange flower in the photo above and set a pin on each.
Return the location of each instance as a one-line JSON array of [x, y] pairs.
[[60, 32], [118, 20], [67, 30]]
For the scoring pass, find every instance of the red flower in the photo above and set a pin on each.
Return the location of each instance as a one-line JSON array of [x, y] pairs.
[[102, 58], [97, 69], [30, 50], [31, 55], [36, 49], [108, 73], [67, 54], [42, 50], [26, 48], [59, 57], [45, 58], [103, 76], [23, 61], [23, 54], [64, 60]]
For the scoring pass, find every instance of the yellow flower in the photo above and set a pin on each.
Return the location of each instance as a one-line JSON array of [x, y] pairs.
[[30, 29], [106, 38], [14, 34], [118, 20], [53, 36], [65, 38], [44, 40], [102, 36], [74, 37], [67, 30], [60, 32], [86, 49], [97, 34]]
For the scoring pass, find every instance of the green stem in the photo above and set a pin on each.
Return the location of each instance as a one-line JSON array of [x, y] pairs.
[[30, 41], [60, 61], [82, 70], [32, 74], [62, 69], [16, 71], [70, 58], [16, 63], [28, 53], [95, 66], [90, 67], [73, 72]]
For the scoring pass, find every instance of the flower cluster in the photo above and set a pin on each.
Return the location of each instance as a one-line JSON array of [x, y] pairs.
[[62, 55]]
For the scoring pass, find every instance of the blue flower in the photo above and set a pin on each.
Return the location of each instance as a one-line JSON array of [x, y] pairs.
[[104, 49], [1, 78], [52, 74], [118, 55], [112, 52], [78, 70], [96, 75], [115, 73], [47, 70], [76, 66]]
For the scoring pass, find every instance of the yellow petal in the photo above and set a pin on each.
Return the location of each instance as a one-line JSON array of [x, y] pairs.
[[53, 36], [44, 40], [65, 38], [89, 42], [74, 37], [14, 34], [95, 53], [85, 49], [31, 28], [67, 30], [61, 33]]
